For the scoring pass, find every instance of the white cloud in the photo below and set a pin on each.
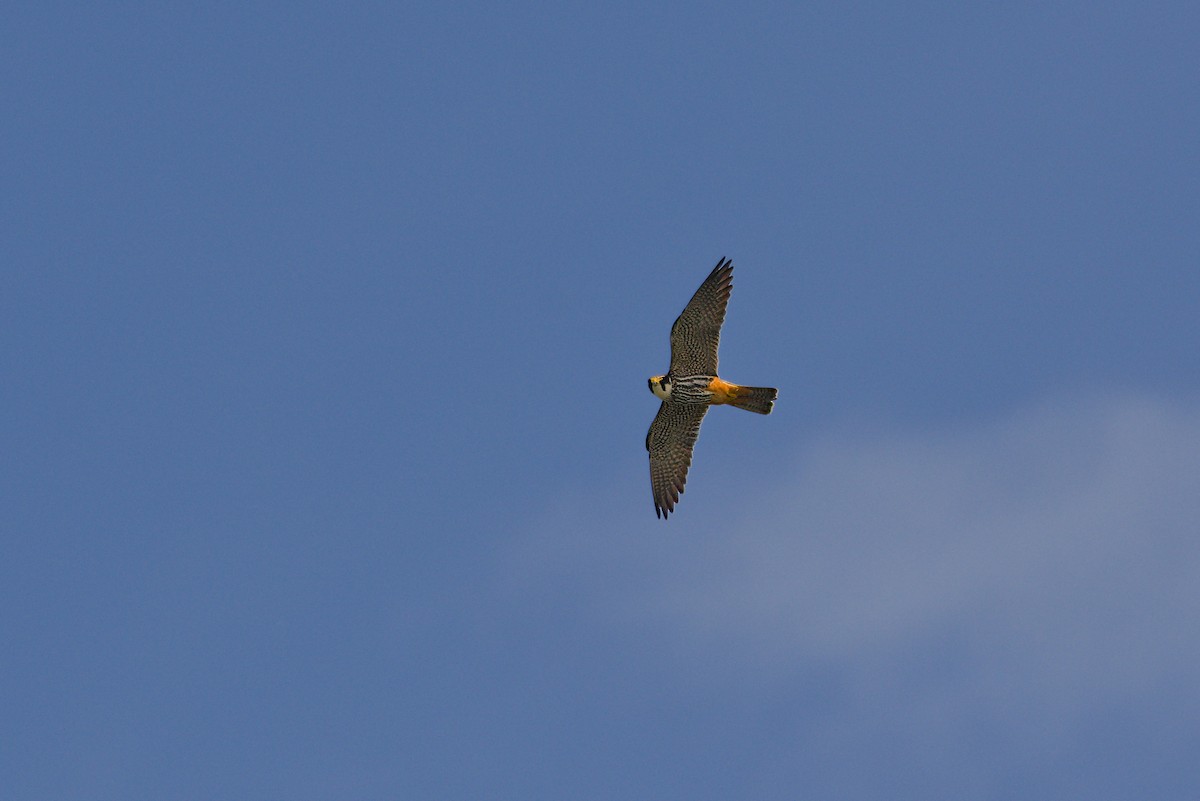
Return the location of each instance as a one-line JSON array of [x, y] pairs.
[[1075, 518], [1025, 571]]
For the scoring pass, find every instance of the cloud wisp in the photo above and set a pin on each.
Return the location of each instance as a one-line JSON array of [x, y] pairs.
[[1029, 573]]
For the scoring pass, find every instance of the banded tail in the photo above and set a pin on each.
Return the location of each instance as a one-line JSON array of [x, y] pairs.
[[754, 399]]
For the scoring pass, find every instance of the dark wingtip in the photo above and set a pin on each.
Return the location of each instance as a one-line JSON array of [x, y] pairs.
[[663, 509], [724, 273]]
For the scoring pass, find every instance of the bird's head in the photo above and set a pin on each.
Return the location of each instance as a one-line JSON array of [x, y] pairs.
[[660, 385]]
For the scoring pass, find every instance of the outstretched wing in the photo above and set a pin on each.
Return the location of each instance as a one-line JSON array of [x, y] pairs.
[[669, 441], [697, 332]]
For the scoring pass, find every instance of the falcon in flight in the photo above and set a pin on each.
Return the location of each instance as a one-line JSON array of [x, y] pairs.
[[691, 386]]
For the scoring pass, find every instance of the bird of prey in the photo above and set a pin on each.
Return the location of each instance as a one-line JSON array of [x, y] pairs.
[[691, 386]]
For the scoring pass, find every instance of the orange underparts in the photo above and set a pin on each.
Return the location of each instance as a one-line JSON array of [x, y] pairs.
[[723, 391]]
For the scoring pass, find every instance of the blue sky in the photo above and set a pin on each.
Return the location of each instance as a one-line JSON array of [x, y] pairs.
[[325, 332]]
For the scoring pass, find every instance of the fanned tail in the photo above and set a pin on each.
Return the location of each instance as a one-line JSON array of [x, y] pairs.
[[755, 399]]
